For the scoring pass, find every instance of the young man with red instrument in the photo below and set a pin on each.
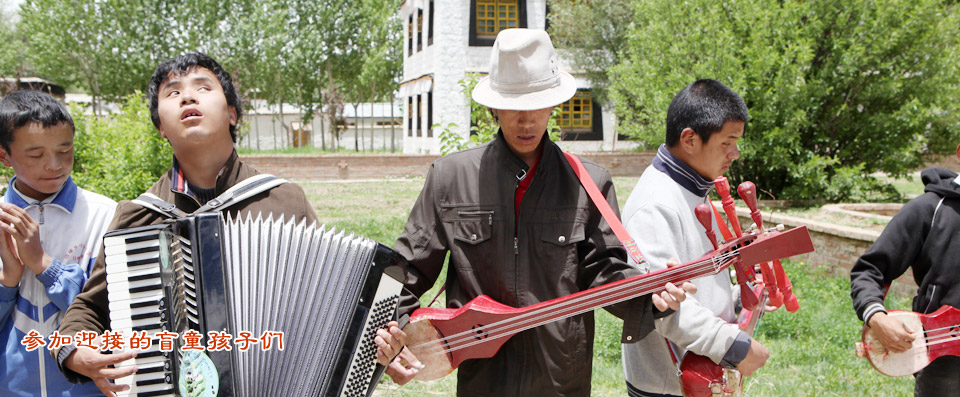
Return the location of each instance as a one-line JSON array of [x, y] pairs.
[[519, 228], [923, 236], [704, 122]]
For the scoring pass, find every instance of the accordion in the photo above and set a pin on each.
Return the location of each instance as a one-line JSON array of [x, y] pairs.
[[325, 292]]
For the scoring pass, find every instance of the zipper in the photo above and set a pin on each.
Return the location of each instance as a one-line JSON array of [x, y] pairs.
[[40, 205], [488, 213], [933, 295]]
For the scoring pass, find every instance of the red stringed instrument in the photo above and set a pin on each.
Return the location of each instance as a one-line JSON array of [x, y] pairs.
[[443, 338], [700, 376], [938, 334]]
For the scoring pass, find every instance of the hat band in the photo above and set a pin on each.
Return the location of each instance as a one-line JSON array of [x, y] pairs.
[[525, 87]]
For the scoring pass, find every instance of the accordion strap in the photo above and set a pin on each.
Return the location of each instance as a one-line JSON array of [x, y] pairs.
[[151, 201], [241, 191], [247, 188]]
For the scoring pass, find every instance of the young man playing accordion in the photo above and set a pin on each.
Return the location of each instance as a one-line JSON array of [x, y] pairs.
[[196, 107]]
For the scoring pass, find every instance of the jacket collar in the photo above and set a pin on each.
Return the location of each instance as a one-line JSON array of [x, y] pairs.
[[680, 172], [227, 177], [513, 163], [66, 198]]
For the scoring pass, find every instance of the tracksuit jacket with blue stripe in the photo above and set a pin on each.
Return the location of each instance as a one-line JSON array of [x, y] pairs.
[[72, 224]]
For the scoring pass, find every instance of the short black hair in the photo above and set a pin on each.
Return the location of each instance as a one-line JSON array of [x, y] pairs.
[[183, 64], [19, 108], [704, 106]]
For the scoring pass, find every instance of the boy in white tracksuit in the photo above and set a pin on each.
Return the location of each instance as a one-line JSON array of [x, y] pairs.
[[50, 234], [704, 122]]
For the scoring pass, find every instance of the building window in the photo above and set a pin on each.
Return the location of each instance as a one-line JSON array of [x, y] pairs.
[[429, 114], [410, 36], [410, 116], [430, 25], [419, 29], [419, 115], [580, 118], [489, 17]]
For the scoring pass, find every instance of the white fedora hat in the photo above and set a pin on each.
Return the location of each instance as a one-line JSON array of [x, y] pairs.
[[524, 73]]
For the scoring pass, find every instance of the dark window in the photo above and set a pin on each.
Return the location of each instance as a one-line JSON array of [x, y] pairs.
[[419, 29], [580, 118], [429, 114], [430, 25], [419, 115], [489, 17], [410, 116], [410, 36]]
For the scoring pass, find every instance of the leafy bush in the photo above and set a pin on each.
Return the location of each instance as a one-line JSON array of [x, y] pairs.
[[837, 90], [121, 155]]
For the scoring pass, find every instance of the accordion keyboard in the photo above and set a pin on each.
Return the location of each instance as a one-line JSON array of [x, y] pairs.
[[136, 303]]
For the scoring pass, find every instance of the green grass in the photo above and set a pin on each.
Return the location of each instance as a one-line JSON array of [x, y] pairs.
[[812, 351]]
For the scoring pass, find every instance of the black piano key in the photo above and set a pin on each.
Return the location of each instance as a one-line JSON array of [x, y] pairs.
[[154, 353], [143, 262], [149, 303], [148, 276], [150, 370], [145, 288], [149, 237], [143, 250], [142, 316], [147, 327], [147, 382], [155, 393]]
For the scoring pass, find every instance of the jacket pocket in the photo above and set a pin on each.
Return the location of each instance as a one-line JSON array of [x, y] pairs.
[[562, 234], [473, 226]]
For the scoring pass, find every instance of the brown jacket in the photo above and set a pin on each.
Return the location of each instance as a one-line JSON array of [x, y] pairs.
[[89, 311], [557, 246]]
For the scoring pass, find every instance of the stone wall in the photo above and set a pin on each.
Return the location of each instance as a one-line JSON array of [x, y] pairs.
[[379, 166], [836, 247]]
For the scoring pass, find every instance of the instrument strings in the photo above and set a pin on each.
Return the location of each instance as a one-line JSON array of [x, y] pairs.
[[575, 306], [943, 335]]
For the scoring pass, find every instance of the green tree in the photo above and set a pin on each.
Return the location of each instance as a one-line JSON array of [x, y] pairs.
[[592, 35], [837, 90], [122, 155], [12, 49]]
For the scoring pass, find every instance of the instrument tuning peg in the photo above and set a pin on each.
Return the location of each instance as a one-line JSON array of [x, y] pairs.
[[704, 212], [748, 193], [729, 207]]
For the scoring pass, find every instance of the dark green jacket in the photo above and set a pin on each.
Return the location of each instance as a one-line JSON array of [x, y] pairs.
[[558, 245]]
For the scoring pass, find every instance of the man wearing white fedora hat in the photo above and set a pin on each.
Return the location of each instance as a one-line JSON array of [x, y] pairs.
[[520, 228]]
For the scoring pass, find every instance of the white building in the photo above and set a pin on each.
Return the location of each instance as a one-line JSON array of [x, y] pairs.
[[369, 127], [446, 39]]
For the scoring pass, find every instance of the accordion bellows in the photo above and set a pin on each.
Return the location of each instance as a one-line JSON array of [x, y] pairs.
[[326, 291]]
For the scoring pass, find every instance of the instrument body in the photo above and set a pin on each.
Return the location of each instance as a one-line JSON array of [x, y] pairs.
[[326, 291], [443, 338], [701, 377], [938, 334]]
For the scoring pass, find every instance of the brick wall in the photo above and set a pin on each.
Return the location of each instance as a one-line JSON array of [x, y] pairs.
[[378, 166]]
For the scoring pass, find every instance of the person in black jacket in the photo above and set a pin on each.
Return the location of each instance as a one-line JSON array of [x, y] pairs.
[[924, 236]]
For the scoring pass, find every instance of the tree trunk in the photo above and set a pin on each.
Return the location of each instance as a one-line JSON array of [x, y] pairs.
[[356, 127], [393, 129]]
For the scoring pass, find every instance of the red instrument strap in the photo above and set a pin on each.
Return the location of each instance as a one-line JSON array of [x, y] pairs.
[[601, 202], [727, 236]]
